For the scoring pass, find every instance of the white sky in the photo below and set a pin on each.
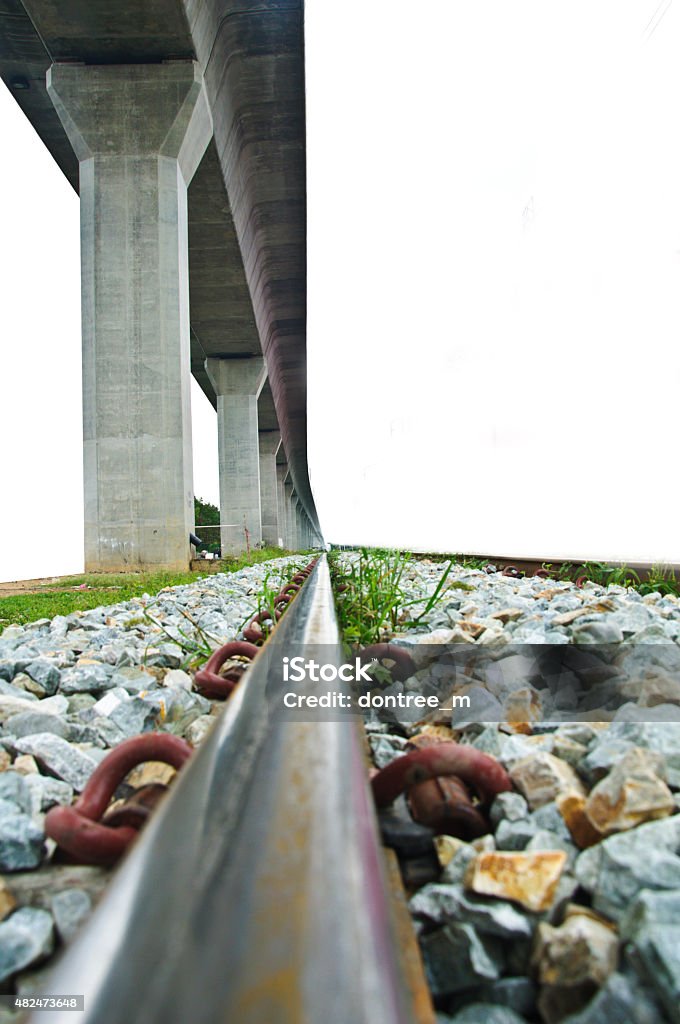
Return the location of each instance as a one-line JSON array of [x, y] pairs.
[[494, 288]]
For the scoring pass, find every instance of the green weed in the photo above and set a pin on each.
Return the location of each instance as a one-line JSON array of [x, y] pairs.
[[369, 597]]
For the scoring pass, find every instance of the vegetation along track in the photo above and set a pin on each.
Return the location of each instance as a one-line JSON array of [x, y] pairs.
[[536, 825], [259, 889]]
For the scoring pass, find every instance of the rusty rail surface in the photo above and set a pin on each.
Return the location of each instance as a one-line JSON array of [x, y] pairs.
[[257, 893]]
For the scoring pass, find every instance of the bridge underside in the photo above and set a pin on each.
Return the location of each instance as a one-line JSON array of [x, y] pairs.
[[246, 200]]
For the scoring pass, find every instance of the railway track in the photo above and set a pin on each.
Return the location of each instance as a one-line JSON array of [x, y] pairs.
[[259, 891]]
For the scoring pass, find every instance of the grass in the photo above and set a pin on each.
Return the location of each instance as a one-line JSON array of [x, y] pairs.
[[371, 603], [662, 579], [271, 586], [368, 594], [369, 598], [196, 646], [102, 588], [659, 579]]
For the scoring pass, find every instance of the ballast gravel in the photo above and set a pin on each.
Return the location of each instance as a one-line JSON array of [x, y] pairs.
[[72, 688], [594, 757], [531, 610], [605, 946]]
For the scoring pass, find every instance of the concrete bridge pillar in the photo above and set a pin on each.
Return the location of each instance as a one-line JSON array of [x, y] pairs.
[[238, 383], [301, 521], [290, 531], [270, 442], [281, 504], [298, 524], [139, 132], [295, 522]]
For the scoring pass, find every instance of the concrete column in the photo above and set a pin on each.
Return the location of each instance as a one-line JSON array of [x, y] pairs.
[[298, 524], [295, 522], [290, 532], [269, 443], [139, 132], [237, 384], [281, 504]]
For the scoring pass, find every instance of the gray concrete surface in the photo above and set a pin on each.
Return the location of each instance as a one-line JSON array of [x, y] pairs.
[[269, 444], [281, 504], [292, 516], [139, 132], [237, 384], [297, 532], [290, 532]]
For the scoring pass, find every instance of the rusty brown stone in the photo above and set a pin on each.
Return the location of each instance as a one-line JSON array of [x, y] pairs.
[[530, 879], [542, 777], [507, 615], [572, 808], [630, 794], [473, 629]]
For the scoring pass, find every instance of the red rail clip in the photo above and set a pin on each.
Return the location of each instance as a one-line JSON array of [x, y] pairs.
[[78, 830], [446, 808], [210, 683]]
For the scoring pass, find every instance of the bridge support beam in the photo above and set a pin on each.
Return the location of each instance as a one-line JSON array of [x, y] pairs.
[[237, 384], [298, 524], [290, 531], [301, 525], [281, 471], [270, 442], [139, 132], [294, 522]]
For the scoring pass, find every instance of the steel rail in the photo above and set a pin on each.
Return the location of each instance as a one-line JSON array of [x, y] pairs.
[[529, 565], [257, 893]]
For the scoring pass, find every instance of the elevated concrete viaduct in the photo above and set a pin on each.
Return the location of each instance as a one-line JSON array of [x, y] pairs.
[[182, 125]]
